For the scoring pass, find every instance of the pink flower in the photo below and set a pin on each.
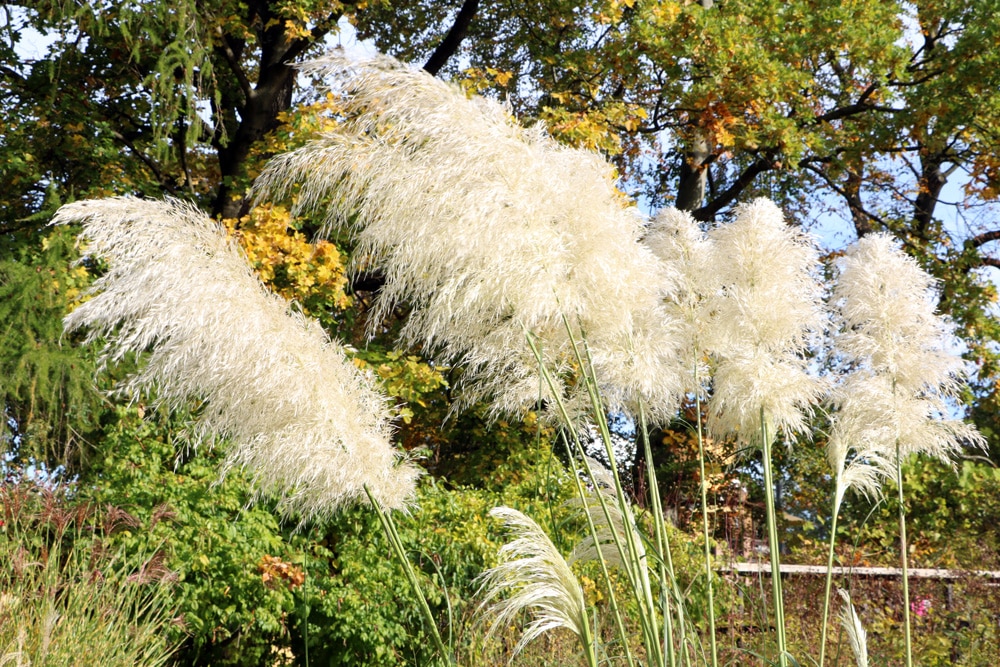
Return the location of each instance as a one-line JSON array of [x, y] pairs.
[[921, 607]]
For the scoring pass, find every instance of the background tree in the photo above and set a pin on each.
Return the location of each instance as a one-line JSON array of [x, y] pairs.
[[150, 97]]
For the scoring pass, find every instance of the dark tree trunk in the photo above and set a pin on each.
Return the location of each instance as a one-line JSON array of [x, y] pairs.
[[932, 180], [693, 176], [449, 45], [271, 95]]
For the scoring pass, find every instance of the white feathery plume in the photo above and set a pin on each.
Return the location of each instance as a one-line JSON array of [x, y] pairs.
[[489, 230], [689, 260], [309, 426], [539, 579], [856, 634], [768, 308], [861, 422], [897, 347]]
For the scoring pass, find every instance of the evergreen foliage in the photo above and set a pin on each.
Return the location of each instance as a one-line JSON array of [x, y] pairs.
[[47, 394]]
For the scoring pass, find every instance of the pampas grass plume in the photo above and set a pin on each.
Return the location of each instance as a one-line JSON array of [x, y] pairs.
[[768, 308], [489, 231], [539, 579], [903, 372], [604, 545], [304, 421], [856, 634], [688, 258]]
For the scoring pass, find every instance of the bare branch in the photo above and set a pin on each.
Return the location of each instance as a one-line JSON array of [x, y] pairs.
[[449, 45], [989, 261], [729, 195], [986, 237], [852, 201]]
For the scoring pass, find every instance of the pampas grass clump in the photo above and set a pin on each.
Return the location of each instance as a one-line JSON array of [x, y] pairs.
[[304, 421]]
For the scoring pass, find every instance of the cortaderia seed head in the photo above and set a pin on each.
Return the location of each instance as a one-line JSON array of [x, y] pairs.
[[308, 426], [767, 310], [490, 232]]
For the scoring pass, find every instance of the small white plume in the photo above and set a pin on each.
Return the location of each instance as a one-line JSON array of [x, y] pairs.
[[856, 634], [539, 580]]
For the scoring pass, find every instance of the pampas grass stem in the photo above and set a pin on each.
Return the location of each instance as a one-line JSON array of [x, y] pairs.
[[389, 528]]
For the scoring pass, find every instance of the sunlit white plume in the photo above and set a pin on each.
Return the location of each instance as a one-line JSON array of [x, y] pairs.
[[768, 309], [675, 238], [858, 431], [899, 352], [304, 421], [488, 230]]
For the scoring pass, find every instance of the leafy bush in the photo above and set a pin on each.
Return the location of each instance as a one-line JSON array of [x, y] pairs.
[[210, 534]]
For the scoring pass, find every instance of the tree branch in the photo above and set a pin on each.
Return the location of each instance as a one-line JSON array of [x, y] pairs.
[[853, 200], [707, 212], [152, 166], [989, 261], [982, 239], [319, 31], [234, 64], [861, 106], [449, 45]]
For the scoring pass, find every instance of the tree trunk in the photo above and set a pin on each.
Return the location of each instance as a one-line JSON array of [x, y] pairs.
[[932, 180], [694, 175]]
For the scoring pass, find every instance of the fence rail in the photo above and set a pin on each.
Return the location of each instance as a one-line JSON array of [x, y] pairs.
[[914, 573]]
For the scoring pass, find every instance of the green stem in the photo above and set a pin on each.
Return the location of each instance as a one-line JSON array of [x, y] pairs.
[[773, 544], [829, 580], [634, 562], [662, 548], [590, 647], [704, 526], [397, 546], [903, 551], [619, 621], [616, 612]]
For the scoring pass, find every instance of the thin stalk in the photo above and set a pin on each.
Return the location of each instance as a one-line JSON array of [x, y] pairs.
[[772, 538], [619, 622], [829, 579], [623, 635], [389, 527], [639, 563], [305, 612], [662, 546], [704, 522], [904, 558], [590, 647]]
